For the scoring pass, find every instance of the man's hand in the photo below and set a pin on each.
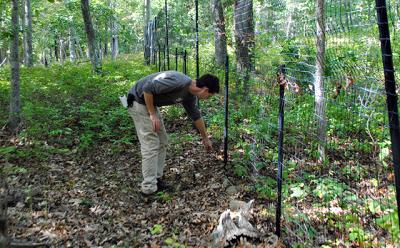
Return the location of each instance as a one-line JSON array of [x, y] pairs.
[[207, 144], [155, 121]]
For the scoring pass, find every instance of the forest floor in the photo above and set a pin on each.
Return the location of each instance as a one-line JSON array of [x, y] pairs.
[[93, 199], [74, 171]]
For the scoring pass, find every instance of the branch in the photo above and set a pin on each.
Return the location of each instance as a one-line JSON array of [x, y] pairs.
[[27, 245], [4, 61]]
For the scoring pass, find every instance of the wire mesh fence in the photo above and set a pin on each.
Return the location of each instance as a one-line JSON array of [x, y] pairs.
[[349, 198]]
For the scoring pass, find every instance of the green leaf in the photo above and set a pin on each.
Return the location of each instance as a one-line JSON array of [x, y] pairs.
[[297, 192], [157, 229]]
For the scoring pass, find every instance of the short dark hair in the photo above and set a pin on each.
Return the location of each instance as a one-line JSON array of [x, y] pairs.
[[210, 81]]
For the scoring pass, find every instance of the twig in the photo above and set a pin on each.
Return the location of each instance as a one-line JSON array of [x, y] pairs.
[[27, 245], [2, 63]]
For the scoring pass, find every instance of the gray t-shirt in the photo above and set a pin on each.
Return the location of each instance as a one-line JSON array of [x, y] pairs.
[[168, 88]]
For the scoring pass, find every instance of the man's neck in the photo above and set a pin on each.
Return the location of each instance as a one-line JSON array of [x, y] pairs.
[[193, 89]]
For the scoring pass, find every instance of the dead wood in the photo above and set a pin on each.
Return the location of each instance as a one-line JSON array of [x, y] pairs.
[[235, 230]]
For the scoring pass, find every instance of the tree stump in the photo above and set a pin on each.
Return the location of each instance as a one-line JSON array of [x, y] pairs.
[[235, 230]]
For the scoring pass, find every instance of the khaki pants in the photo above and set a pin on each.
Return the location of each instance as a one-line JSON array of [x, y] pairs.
[[153, 146]]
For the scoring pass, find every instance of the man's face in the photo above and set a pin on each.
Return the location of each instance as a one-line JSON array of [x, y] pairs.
[[204, 94]]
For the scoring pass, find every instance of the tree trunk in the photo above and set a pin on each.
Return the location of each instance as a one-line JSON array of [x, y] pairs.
[[27, 24], [15, 108], [115, 48], [319, 80], [106, 48], [244, 38], [72, 54], [289, 24], [56, 49], [219, 32], [146, 32], [114, 33], [91, 36], [62, 56], [4, 240]]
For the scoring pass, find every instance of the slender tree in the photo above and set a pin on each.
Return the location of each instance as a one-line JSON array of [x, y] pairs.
[[15, 108], [91, 36], [27, 24], [114, 33], [244, 39], [219, 32], [4, 240], [71, 42], [61, 51], [319, 79]]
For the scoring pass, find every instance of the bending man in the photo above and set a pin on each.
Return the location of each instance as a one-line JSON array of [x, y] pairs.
[[161, 89]]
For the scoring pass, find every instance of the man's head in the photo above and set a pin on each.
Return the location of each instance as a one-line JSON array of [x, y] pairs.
[[210, 81]]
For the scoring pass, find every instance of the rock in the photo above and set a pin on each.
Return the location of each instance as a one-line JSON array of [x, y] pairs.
[[234, 205], [215, 186], [232, 190], [225, 183]]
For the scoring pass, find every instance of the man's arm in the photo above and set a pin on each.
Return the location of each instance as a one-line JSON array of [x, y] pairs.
[[149, 100], [199, 123]]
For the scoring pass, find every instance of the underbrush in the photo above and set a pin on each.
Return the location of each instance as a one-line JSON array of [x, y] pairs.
[[67, 107], [347, 201]]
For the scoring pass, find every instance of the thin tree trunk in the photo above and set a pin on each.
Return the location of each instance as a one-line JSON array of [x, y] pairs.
[[4, 240], [115, 48], [28, 51], [219, 32], [319, 80], [72, 54], [146, 32], [105, 45], [114, 32], [61, 51], [289, 24], [15, 108], [244, 38], [56, 49], [91, 36], [24, 41]]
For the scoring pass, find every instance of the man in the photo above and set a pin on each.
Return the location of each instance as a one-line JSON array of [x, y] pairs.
[[144, 98]]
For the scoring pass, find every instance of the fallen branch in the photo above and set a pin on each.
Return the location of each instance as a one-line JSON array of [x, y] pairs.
[[27, 245], [4, 61]]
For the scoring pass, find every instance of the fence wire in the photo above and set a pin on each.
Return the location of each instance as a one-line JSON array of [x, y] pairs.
[[348, 200]]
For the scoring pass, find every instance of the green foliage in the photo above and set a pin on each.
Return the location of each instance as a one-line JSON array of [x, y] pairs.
[[9, 169], [165, 197], [266, 188], [390, 222], [173, 242], [89, 112], [328, 189], [157, 229]]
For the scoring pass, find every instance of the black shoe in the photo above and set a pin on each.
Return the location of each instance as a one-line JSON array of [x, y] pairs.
[[147, 198], [161, 186]]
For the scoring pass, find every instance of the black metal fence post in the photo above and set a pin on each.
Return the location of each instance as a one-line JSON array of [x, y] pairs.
[[159, 58], [281, 81], [184, 62], [226, 110], [197, 44], [391, 95], [164, 58], [166, 34], [176, 59]]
